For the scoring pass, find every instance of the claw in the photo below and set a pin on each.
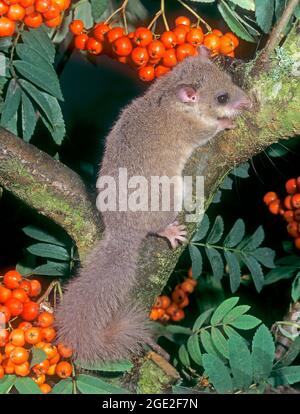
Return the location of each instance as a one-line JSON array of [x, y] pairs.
[[175, 233]]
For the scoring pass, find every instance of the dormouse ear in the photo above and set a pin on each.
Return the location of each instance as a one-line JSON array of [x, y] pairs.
[[187, 93], [204, 52]]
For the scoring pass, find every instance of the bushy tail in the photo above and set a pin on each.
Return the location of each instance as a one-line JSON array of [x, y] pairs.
[[92, 317]]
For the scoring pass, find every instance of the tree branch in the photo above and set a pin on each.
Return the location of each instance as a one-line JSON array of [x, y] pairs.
[[49, 187]]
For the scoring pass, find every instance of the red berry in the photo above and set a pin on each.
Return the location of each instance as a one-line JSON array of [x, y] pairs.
[[291, 186]]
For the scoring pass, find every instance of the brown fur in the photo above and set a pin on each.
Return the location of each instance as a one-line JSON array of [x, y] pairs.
[[154, 136]]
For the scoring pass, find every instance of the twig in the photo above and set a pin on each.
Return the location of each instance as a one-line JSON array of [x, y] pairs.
[[196, 15], [162, 7], [121, 10], [157, 15], [48, 291], [275, 36]]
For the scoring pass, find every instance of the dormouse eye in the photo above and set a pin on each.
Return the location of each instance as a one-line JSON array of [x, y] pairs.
[[223, 98]]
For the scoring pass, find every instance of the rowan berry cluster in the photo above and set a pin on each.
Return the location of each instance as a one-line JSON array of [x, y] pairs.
[[25, 327], [166, 308], [33, 13], [289, 208], [152, 55]]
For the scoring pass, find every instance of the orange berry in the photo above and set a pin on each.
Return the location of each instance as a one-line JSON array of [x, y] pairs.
[[292, 229], [161, 70], [64, 369], [217, 32], [12, 278], [146, 73], [226, 45], [5, 314], [48, 334], [234, 39], [16, 12], [274, 207], [42, 6], [178, 315], [140, 56], [288, 202], [188, 285], [3, 8], [51, 370], [297, 243], [297, 214], [122, 46], [8, 348], [15, 306], [25, 325], [80, 41], [289, 216], [114, 34], [9, 366], [25, 285], [50, 351], [195, 36], [182, 20], [163, 302], [172, 308], [30, 311], [33, 20], [184, 50], [18, 355], [181, 33], [39, 379], [45, 319], [41, 368], [55, 359], [65, 351], [52, 12], [1, 372], [16, 337], [4, 335], [93, 46], [153, 315], [142, 36], [26, 3], [155, 49], [100, 31], [33, 335], [45, 388], [23, 370], [296, 200], [20, 294], [76, 27], [269, 197], [168, 39], [5, 294], [35, 288], [212, 42], [291, 186], [56, 21], [62, 4], [160, 313], [178, 296]]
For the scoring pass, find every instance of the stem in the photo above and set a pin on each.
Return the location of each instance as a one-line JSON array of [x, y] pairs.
[[196, 15], [121, 10], [162, 8], [48, 291], [218, 247], [157, 15], [287, 323], [275, 36], [12, 52]]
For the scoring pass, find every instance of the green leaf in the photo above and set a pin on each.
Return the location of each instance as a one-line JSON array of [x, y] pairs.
[[219, 341], [216, 231], [264, 12], [234, 270], [38, 97], [227, 183], [263, 353], [197, 262], [49, 250], [245, 4], [98, 8], [202, 229], [256, 271], [83, 11], [11, 103], [285, 375], [207, 343], [63, 387], [202, 319], [279, 7], [242, 171], [88, 384], [52, 269], [216, 262], [236, 234], [28, 54], [218, 374], [39, 40], [291, 353], [177, 329], [109, 366], [265, 256], [38, 355], [296, 288], [235, 313], [223, 309], [46, 80], [233, 22], [6, 383], [27, 386], [29, 118], [183, 356], [57, 125], [229, 331], [194, 350], [256, 239], [42, 235], [240, 362], [245, 322], [280, 272]]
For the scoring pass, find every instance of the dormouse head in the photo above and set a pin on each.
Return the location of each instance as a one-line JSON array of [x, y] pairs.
[[201, 89]]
